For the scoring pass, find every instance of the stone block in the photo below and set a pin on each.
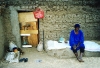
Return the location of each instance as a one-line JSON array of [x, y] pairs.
[[61, 53]]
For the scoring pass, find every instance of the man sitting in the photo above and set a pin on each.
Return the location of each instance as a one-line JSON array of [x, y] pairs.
[[76, 41]]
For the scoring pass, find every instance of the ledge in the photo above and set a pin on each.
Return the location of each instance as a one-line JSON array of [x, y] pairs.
[[26, 45], [28, 32]]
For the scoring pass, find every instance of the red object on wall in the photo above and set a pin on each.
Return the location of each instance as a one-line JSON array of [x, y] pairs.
[[38, 13]]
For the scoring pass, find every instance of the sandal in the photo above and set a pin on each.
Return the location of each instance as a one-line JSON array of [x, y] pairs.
[[80, 60]]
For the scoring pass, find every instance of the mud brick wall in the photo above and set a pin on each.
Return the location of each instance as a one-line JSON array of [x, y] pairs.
[[59, 24], [7, 26], [60, 17], [11, 30], [59, 20]]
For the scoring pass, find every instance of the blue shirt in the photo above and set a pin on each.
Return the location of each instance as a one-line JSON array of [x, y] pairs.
[[76, 38]]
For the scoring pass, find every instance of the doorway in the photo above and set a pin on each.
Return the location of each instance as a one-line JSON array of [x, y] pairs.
[[29, 28]]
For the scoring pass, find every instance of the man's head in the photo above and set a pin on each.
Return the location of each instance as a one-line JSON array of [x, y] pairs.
[[76, 26]]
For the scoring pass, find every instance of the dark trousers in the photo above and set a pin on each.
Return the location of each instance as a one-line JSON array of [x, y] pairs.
[[81, 50]]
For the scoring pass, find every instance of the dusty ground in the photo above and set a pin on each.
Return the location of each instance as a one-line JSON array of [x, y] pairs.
[[51, 62]]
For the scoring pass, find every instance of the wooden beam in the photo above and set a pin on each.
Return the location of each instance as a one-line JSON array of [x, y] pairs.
[[29, 31]]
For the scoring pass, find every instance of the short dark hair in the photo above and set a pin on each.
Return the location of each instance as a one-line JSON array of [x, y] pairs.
[[76, 25]]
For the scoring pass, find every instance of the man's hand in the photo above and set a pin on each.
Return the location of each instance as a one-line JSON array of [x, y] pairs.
[[78, 44]]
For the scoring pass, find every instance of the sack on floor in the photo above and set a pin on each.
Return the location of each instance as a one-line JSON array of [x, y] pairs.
[[12, 57], [11, 45], [40, 46]]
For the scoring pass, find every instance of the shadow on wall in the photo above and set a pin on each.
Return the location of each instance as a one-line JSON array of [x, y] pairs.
[[96, 3], [1, 39]]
